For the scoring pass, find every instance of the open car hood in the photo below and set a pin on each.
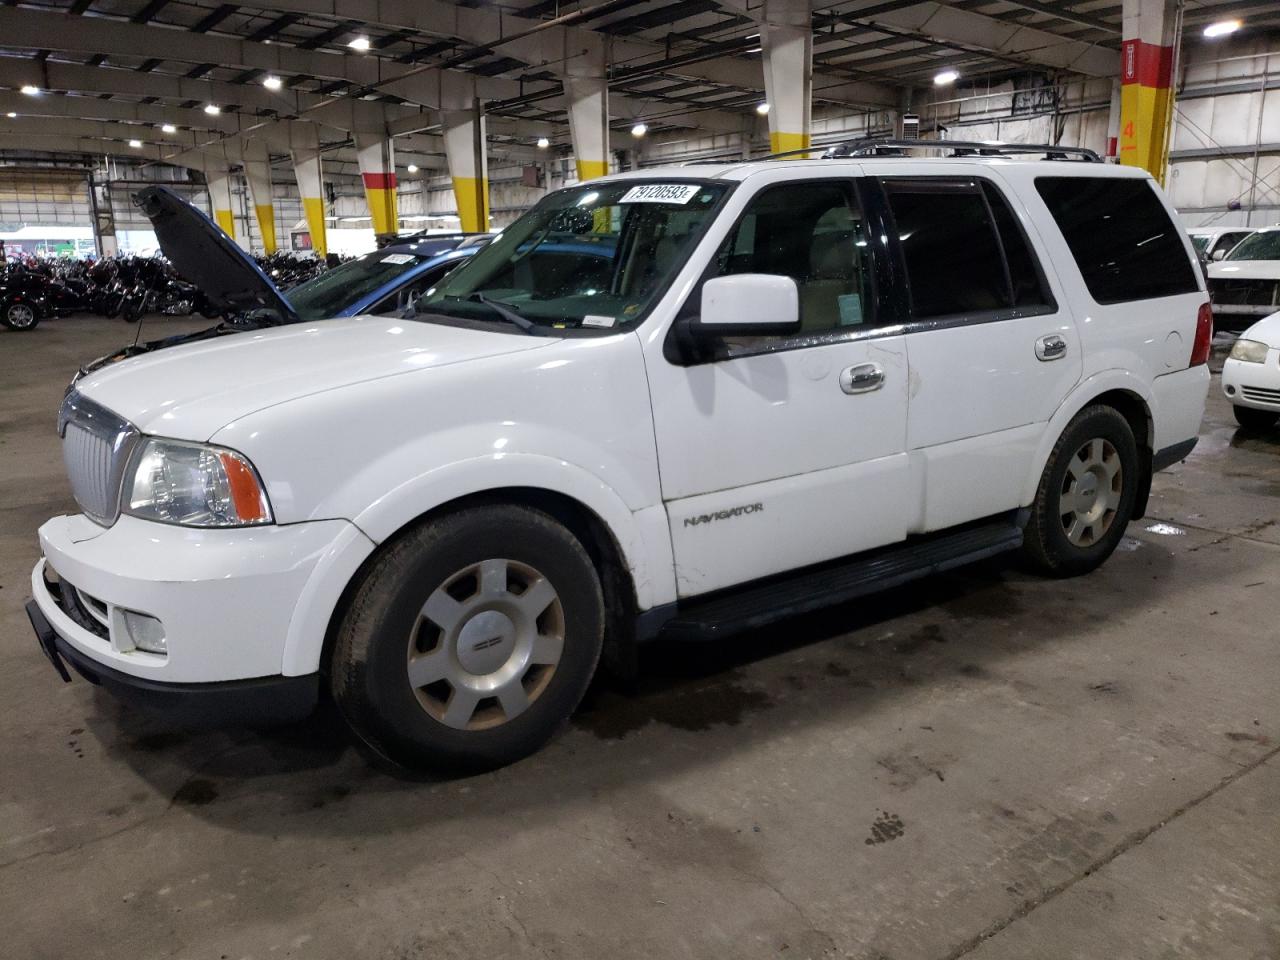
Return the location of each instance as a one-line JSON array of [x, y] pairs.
[[204, 255]]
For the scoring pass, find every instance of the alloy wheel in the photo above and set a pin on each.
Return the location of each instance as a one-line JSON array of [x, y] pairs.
[[1091, 492], [20, 316], [486, 644]]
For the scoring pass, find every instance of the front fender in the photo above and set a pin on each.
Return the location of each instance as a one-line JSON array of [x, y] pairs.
[[1084, 393], [642, 535]]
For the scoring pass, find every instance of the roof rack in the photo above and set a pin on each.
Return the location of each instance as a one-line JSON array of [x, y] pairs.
[[884, 146]]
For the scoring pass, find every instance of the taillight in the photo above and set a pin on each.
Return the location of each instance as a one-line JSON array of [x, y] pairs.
[[1204, 336]]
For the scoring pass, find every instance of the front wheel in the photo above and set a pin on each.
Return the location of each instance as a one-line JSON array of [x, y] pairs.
[[1086, 495], [20, 316], [1254, 419], [469, 640]]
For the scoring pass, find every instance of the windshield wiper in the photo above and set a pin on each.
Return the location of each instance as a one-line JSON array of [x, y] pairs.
[[502, 310]]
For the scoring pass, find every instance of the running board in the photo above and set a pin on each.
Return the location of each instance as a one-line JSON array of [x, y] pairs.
[[727, 613]]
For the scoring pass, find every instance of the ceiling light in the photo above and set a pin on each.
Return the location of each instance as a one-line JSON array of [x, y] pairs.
[[1221, 28], [272, 83], [412, 168], [136, 144], [945, 77], [762, 109], [212, 109], [10, 114], [169, 128], [639, 130], [359, 43], [543, 143], [30, 91]]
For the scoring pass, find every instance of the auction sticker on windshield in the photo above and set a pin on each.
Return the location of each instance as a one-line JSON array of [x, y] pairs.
[[661, 193], [398, 258]]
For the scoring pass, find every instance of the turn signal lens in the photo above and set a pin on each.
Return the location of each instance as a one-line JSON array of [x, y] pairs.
[[1204, 336], [247, 495]]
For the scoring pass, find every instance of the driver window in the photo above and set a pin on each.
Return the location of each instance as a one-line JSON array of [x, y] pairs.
[[813, 232]]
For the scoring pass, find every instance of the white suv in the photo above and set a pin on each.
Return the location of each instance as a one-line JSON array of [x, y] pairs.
[[688, 400]]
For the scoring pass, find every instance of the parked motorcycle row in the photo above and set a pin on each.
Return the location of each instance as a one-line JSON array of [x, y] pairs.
[[126, 287]]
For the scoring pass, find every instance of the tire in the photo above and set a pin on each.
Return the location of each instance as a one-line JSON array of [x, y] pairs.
[[1253, 419], [1079, 515], [436, 605], [20, 316]]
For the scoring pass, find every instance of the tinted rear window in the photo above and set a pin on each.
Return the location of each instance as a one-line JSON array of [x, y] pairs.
[[1126, 246]]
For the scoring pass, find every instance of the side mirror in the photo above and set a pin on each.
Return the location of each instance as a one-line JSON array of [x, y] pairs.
[[1220, 253], [749, 304]]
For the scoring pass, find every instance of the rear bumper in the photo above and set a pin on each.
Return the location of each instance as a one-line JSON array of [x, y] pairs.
[[261, 700]]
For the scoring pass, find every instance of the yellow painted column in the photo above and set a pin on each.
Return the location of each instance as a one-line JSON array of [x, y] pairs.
[[257, 173], [786, 41], [219, 182], [1146, 76], [464, 147], [306, 168], [376, 156]]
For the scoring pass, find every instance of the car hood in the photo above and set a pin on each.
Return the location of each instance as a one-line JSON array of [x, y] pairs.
[[205, 256], [1266, 330], [191, 391], [1245, 270]]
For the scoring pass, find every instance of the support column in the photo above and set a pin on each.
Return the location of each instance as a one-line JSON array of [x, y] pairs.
[[218, 180], [305, 153], [104, 220], [589, 124], [1113, 121], [786, 39], [1146, 74], [376, 156], [257, 173], [468, 166]]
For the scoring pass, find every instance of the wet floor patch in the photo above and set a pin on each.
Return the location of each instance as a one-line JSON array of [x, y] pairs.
[[695, 706]]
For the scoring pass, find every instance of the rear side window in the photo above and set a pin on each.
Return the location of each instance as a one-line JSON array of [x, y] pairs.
[[964, 250], [1122, 239]]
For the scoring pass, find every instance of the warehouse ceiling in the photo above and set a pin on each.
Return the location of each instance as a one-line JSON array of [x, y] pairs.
[[115, 70]]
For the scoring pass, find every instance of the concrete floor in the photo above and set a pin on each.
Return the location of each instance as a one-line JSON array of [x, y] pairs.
[[984, 765]]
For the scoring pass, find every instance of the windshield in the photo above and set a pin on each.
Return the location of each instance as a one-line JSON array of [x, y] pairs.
[[1259, 246], [334, 291], [594, 256], [1201, 243]]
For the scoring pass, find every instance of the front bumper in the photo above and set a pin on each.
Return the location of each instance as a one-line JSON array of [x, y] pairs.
[[1255, 385], [224, 599], [258, 701]]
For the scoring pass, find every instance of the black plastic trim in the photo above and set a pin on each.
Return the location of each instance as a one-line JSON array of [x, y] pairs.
[[261, 700], [1175, 453]]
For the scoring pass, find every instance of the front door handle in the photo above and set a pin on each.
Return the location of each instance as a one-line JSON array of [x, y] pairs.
[[862, 378], [1051, 347]]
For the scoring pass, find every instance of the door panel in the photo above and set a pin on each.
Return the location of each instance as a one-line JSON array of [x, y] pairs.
[[767, 464]]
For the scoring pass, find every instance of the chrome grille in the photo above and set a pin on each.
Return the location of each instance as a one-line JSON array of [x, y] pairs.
[[96, 445]]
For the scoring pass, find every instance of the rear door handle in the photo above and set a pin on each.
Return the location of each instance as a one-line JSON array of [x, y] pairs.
[[862, 378], [1051, 347]]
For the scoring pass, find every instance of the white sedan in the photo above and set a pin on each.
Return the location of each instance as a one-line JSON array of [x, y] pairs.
[[1251, 375]]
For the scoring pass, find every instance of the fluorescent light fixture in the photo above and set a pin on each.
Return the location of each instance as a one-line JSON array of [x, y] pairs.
[[1220, 28], [945, 77], [353, 219], [168, 128], [212, 109], [543, 143], [272, 82], [136, 144], [10, 114], [30, 91], [762, 109], [639, 130], [412, 168], [359, 43]]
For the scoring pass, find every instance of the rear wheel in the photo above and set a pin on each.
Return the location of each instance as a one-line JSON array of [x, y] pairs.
[[20, 316], [1252, 419], [1086, 494], [470, 640]]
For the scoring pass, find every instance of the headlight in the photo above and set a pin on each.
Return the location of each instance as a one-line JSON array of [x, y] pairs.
[[195, 485], [1250, 351]]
